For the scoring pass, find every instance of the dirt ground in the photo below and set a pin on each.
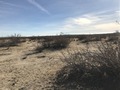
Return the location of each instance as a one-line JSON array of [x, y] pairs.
[[22, 69]]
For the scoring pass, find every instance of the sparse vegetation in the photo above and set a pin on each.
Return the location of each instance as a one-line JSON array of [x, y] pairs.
[[12, 41], [56, 43], [96, 70], [53, 43]]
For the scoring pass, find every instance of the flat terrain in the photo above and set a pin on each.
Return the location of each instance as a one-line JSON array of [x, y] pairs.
[[23, 69]]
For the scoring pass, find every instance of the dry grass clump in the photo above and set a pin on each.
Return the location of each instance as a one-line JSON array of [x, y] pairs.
[[91, 70], [38, 49]]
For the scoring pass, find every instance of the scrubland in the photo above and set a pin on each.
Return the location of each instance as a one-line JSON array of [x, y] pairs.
[[60, 63]]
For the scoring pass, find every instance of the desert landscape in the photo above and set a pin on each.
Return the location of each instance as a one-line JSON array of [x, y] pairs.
[[59, 44], [35, 63], [21, 69]]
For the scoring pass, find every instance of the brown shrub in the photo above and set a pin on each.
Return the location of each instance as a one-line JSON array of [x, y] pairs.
[[52, 43], [98, 70], [11, 41]]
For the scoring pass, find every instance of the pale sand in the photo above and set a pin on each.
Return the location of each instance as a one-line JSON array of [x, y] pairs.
[[21, 71]]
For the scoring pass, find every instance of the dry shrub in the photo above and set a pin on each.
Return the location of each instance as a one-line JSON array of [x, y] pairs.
[[112, 39], [39, 49], [91, 39], [91, 70], [14, 40], [52, 43], [56, 43]]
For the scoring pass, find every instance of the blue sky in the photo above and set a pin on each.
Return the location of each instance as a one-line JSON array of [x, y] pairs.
[[50, 17]]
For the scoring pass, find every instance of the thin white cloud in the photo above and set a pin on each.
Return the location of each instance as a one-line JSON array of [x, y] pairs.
[[90, 24], [82, 21], [10, 4], [33, 2]]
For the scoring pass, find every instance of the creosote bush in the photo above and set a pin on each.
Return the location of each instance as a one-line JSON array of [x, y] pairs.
[[91, 70]]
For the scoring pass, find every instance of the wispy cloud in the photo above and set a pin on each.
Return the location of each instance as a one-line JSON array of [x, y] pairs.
[[11, 4], [79, 21], [33, 2], [90, 24]]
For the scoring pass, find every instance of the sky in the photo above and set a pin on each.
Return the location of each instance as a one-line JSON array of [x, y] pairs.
[[51, 17]]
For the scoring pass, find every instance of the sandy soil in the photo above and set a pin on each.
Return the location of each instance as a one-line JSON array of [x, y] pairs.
[[22, 69]]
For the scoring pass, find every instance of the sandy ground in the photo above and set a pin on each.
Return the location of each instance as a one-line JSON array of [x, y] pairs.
[[21, 69]]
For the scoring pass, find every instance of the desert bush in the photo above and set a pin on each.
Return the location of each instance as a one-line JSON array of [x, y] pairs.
[[15, 39], [81, 38], [91, 39], [96, 70], [112, 39], [56, 43], [11, 41], [52, 43]]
